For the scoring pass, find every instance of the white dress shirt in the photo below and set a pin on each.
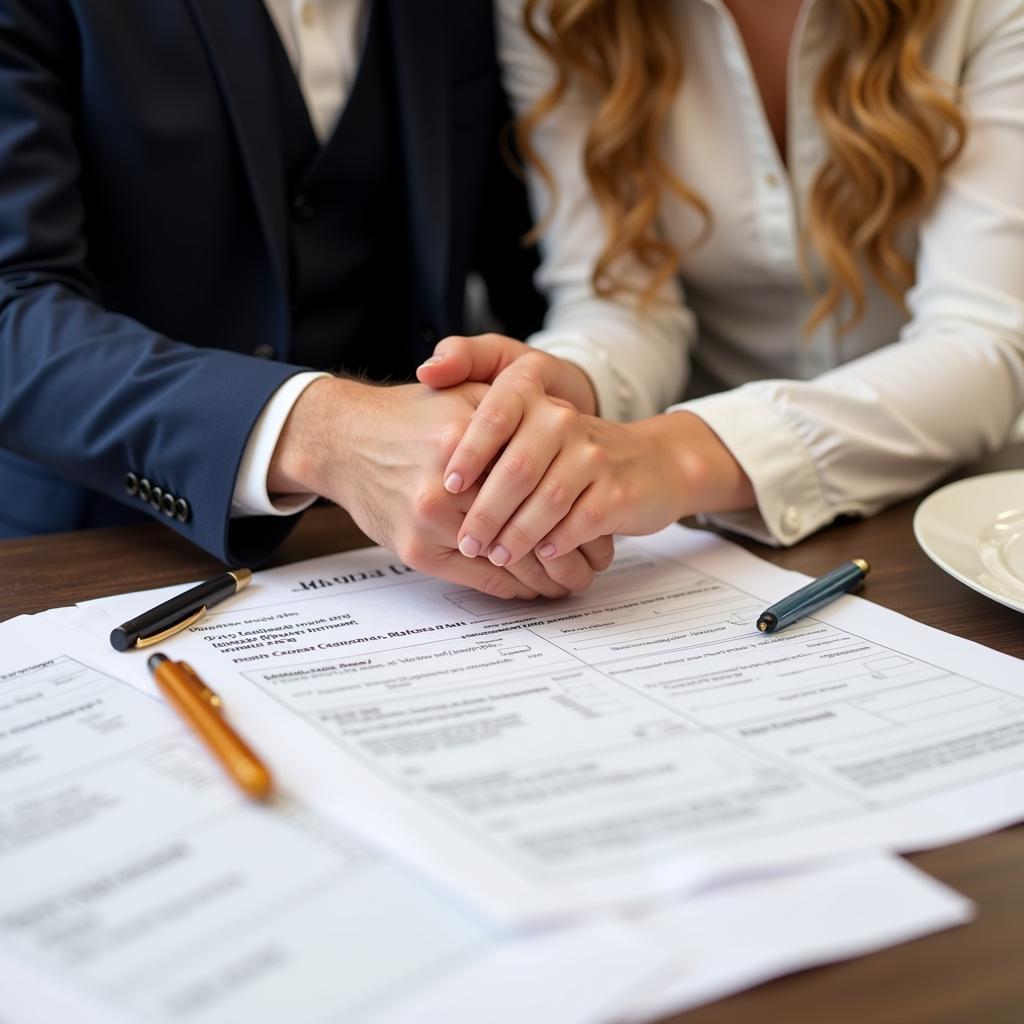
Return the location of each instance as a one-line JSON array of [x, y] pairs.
[[822, 425], [322, 39]]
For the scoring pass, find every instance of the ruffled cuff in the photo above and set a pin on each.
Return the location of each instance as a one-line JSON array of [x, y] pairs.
[[790, 501]]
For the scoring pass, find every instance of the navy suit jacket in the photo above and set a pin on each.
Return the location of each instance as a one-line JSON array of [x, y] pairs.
[[144, 253]]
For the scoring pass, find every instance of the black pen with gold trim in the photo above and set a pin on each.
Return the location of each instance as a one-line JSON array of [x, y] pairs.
[[179, 612]]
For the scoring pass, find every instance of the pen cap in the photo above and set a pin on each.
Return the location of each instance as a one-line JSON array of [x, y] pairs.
[[120, 640]]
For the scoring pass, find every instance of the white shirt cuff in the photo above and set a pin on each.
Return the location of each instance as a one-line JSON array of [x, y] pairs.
[[251, 497], [790, 502]]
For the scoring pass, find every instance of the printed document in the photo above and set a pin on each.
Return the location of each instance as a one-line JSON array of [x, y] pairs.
[[137, 884], [739, 935], [638, 739]]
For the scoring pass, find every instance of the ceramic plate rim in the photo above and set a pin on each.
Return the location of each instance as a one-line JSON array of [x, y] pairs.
[[925, 509]]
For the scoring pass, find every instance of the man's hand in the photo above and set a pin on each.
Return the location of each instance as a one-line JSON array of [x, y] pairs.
[[484, 357], [379, 452]]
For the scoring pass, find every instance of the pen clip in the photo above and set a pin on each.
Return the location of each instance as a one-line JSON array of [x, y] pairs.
[[201, 688], [146, 641]]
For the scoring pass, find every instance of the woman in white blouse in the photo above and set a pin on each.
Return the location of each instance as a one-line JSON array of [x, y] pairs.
[[806, 217]]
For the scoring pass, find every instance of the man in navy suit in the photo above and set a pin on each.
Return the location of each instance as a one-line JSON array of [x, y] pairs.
[[201, 202]]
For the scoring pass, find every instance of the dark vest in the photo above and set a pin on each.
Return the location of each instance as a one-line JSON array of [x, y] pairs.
[[350, 274]]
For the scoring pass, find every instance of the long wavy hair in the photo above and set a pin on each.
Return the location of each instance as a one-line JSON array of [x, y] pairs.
[[890, 127]]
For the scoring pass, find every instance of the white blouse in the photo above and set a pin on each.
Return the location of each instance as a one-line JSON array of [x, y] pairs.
[[824, 424]]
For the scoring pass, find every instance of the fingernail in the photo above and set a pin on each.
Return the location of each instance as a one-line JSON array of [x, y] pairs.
[[453, 483], [500, 554], [432, 361], [546, 550], [469, 546]]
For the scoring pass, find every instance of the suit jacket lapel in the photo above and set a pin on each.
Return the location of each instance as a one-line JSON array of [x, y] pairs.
[[235, 39], [423, 72]]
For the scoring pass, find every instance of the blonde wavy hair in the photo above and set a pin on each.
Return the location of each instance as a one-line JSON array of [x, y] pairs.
[[890, 128]]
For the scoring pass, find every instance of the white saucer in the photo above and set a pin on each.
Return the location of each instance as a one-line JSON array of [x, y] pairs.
[[974, 529]]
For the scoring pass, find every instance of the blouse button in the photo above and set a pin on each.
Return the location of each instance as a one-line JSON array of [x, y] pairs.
[[791, 520], [771, 180]]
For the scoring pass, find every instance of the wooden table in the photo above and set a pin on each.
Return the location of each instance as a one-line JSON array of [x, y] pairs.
[[972, 974]]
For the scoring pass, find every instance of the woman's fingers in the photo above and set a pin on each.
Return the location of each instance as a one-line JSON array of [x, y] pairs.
[[547, 503], [512, 481], [557, 577], [495, 421], [429, 547], [595, 513]]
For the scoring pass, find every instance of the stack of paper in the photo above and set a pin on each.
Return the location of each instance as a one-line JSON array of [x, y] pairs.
[[611, 807]]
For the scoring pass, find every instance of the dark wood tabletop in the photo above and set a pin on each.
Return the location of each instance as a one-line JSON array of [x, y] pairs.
[[971, 974]]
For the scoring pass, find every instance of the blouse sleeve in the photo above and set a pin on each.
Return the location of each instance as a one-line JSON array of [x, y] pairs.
[[638, 362], [887, 425]]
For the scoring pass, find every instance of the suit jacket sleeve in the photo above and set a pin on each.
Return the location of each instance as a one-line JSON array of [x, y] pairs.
[[86, 392]]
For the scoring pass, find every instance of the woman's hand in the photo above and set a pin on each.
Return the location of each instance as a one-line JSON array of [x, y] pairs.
[[520, 420], [484, 359], [532, 398], [590, 478], [561, 478]]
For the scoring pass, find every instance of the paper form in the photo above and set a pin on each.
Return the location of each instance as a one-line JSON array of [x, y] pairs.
[[741, 935], [137, 884], [640, 738]]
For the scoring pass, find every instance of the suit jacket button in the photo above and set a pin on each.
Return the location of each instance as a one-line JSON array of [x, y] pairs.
[[428, 335], [303, 209], [264, 351], [167, 503], [155, 496], [182, 511], [144, 489], [131, 484]]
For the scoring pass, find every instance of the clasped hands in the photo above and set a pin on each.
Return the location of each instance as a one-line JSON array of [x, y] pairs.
[[496, 475]]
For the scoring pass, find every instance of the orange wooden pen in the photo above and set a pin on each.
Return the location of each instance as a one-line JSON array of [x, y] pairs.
[[203, 712]]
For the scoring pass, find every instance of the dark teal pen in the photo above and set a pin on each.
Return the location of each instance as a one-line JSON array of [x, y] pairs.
[[847, 577]]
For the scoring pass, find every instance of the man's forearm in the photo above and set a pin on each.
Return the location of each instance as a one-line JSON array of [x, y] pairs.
[[313, 441], [252, 496]]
